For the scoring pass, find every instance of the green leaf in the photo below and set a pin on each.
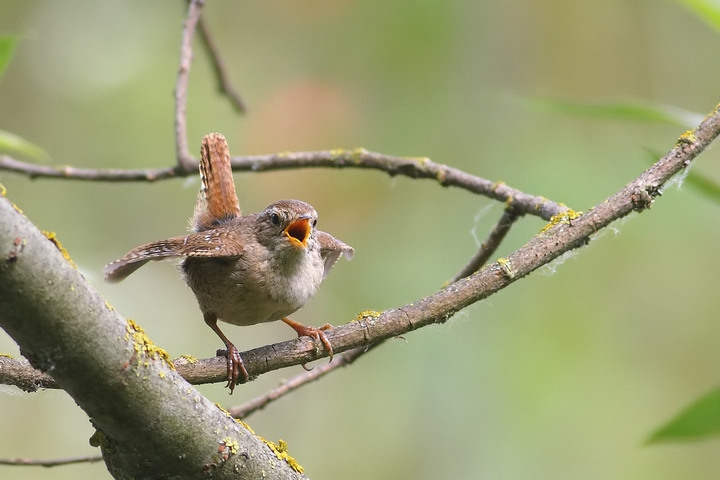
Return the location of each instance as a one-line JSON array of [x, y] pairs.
[[627, 110], [13, 144], [7, 47], [698, 421], [708, 10]]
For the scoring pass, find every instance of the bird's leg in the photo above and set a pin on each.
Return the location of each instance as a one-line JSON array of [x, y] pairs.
[[235, 365], [318, 333]]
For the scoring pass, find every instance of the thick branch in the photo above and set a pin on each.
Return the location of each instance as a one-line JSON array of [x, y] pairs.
[[150, 422]]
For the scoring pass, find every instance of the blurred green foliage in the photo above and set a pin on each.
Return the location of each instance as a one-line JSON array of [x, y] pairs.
[[560, 376], [7, 48], [699, 420], [708, 10], [624, 110], [14, 145]]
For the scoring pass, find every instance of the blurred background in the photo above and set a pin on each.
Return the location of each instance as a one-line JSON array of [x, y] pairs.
[[561, 376]]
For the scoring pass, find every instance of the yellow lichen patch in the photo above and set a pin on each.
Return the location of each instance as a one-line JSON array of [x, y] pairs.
[[357, 154], [497, 185], [281, 452], [441, 176], [365, 314], [232, 445], [142, 344], [17, 209], [53, 238], [109, 307], [336, 153], [190, 359], [421, 161], [539, 205], [3, 190], [237, 420], [565, 217], [506, 267], [249, 429], [6, 355], [687, 137], [223, 410]]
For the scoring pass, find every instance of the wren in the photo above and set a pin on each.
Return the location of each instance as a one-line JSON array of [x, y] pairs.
[[247, 269]]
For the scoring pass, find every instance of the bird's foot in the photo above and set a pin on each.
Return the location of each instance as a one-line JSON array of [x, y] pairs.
[[236, 371], [318, 333]]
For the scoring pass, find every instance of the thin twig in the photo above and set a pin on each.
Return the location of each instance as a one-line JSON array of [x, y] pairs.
[[218, 65], [318, 371], [19, 372], [33, 171], [490, 245], [49, 463], [411, 167], [184, 157]]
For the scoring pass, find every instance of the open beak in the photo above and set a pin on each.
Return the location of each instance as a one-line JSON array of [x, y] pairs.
[[299, 231]]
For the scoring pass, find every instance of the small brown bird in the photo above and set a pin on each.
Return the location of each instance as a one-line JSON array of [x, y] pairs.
[[244, 269]]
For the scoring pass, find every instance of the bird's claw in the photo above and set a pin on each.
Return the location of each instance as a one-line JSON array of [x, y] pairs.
[[236, 371], [318, 333]]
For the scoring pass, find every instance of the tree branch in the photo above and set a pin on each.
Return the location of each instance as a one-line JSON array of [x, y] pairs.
[[185, 160], [446, 176], [491, 244], [289, 386], [30, 462], [218, 65], [562, 234], [111, 369], [19, 373]]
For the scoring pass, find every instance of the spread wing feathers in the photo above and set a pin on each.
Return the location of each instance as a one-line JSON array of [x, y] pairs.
[[217, 200], [331, 248], [203, 244]]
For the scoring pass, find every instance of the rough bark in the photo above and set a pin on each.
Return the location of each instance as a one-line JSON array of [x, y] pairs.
[[150, 422]]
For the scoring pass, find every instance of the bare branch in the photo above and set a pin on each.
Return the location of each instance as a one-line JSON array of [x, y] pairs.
[[490, 245], [446, 176], [19, 373], [33, 170], [218, 65], [95, 355], [184, 157], [319, 371], [29, 462], [564, 233]]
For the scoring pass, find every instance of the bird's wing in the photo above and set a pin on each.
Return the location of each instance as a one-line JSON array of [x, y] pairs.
[[331, 248], [211, 243]]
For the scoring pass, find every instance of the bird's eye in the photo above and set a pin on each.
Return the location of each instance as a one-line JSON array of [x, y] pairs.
[[315, 223], [275, 219]]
